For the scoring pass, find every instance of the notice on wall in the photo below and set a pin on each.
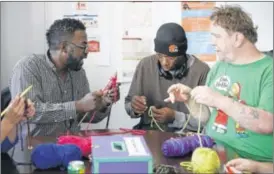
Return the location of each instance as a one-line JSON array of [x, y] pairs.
[[89, 20], [94, 44], [81, 5], [137, 39], [95, 17], [196, 22], [98, 48]]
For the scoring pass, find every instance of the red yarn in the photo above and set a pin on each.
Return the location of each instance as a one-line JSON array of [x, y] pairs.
[[112, 84], [122, 131], [84, 143]]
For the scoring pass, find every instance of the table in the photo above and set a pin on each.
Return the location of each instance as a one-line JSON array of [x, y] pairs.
[[154, 140]]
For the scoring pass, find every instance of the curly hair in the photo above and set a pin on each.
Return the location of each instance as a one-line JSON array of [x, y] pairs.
[[234, 19], [62, 30]]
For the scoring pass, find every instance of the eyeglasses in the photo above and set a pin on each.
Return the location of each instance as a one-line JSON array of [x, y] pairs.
[[85, 48], [162, 56]]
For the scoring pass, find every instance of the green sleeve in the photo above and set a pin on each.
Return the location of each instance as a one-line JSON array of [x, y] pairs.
[[266, 92]]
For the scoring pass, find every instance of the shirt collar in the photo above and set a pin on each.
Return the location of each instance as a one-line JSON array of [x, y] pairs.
[[50, 63]]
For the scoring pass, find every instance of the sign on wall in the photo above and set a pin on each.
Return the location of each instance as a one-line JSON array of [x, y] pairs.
[[196, 23]]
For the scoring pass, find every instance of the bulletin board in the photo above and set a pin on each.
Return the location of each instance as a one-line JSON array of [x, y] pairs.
[[196, 23]]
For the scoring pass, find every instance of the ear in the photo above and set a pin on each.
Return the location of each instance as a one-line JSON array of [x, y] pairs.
[[64, 47], [239, 39]]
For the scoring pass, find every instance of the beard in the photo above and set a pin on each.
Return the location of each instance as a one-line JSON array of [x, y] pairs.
[[74, 63]]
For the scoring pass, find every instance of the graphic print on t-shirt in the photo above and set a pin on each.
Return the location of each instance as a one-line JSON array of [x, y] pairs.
[[220, 124], [222, 83]]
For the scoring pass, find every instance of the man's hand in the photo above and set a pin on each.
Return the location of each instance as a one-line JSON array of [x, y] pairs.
[[138, 104], [178, 92], [206, 96], [241, 164], [91, 101], [163, 114], [113, 95], [30, 109]]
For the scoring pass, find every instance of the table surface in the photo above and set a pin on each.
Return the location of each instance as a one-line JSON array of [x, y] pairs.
[[154, 140]]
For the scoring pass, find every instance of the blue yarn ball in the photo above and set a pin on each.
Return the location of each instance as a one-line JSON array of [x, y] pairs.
[[50, 155]]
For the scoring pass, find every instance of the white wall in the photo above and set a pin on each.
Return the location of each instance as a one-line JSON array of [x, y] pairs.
[[262, 15], [22, 33], [23, 27]]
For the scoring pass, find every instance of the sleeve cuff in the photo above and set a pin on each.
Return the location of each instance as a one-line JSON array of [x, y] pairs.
[[6, 145], [131, 112], [70, 110]]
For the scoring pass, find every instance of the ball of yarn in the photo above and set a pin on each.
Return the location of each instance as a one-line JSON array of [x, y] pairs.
[[184, 145], [50, 155], [84, 143], [205, 160]]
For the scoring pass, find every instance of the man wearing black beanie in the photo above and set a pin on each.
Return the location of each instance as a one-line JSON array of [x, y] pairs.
[[155, 73]]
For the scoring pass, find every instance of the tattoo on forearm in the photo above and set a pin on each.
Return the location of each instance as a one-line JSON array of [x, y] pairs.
[[254, 113], [242, 110]]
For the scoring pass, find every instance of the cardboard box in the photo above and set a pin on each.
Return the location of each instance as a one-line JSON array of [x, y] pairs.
[[121, 154]]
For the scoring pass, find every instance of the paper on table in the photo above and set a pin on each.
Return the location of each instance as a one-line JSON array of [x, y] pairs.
[[135, 147]]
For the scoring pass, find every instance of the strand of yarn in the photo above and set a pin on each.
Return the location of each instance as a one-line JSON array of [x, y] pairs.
[[112, 84], [204, 159], [153, 120], [199, 127], [90, 121], [184, 127]]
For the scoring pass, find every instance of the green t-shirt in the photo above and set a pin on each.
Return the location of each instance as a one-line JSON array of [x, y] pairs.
[[250, 84]]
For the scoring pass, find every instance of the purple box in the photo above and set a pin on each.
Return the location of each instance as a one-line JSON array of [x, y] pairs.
[[121, 154]]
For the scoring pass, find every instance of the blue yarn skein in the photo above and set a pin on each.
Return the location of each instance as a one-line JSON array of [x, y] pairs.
[[50, 155], [184, 145]]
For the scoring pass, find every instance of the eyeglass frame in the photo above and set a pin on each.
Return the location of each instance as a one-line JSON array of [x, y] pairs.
[[84, 48]]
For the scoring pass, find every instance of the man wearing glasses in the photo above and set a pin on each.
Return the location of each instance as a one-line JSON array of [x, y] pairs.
[[153, 76], [60, 86]]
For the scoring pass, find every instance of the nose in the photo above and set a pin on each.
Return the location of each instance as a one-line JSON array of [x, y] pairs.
[[164, 61], [86, 53]]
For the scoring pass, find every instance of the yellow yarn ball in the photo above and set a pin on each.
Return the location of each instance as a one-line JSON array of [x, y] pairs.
[[203, 160]]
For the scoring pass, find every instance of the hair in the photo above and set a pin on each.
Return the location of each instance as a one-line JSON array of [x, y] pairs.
[[62, 30], [234, 19]]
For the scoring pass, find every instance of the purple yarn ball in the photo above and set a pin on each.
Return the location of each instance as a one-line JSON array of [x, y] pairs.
[[182, 146]]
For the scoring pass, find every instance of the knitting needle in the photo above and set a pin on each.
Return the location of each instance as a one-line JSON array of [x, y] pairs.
[[28, 127], [83, 118], [21, 95]]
